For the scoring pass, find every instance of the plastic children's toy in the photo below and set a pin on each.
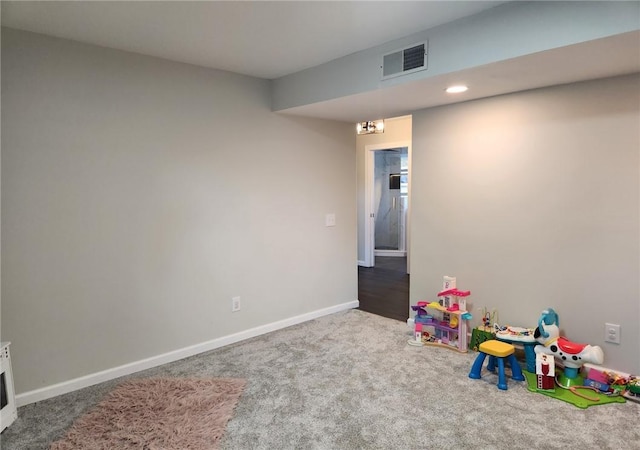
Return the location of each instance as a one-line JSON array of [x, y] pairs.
[[500, 353], [598, 380], [616, 381], [443, 322], [545, 372], [613, 383], [483, 332], [488, 318], [419, 309], [572, 354], [521, 336], [633, 389]]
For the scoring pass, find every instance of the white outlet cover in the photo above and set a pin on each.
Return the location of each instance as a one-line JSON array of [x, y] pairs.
[[612, 333], [330, 220]]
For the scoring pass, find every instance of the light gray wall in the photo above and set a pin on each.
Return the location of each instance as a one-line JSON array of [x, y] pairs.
[[501, 33], [140, 195], [532, 200]]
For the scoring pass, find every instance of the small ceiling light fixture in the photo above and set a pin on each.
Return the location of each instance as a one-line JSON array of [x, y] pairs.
[[456, 89], [370, 126]]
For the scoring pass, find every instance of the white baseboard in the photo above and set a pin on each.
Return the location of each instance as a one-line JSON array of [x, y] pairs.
[[136, 366], [361, 263]]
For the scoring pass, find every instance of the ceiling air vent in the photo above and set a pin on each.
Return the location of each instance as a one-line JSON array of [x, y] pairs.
[[408, 60]]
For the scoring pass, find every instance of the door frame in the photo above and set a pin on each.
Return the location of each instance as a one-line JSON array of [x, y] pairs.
[[369, 200]]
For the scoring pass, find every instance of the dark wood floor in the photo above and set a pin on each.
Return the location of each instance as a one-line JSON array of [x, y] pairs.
[[384, 289]]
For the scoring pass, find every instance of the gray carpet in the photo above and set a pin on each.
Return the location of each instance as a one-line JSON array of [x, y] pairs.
[[350, 381]]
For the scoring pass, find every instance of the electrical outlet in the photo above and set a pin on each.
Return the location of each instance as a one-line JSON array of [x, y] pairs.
[[235, 304], [330, 220], [612, 333]]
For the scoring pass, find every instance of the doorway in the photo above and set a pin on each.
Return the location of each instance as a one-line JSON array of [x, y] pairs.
[[387, 205], [383, 279], [390, 202]]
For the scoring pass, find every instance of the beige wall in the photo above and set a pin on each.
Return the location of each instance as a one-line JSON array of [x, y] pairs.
[[140, 195], [532, 201], [396, 129]]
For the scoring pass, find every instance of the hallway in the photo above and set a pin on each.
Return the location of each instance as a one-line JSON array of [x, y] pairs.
[[384, 289]]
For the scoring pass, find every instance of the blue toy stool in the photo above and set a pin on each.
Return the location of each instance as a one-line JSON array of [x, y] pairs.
[[499, 351]]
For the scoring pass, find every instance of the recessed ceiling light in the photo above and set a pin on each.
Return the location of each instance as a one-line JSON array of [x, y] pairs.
[[456, 89]]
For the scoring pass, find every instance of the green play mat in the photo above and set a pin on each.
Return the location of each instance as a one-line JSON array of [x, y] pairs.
[[569, 397]]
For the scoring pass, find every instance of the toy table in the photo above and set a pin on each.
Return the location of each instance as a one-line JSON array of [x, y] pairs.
[[524, 337]]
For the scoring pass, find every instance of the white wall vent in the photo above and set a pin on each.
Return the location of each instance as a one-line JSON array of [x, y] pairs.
[[404, 61]]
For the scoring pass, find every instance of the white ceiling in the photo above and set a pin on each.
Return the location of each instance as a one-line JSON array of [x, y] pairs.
[[259, 38], [271, 39]]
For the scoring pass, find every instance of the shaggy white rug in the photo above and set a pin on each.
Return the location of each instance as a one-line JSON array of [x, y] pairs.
[[157, 413]]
